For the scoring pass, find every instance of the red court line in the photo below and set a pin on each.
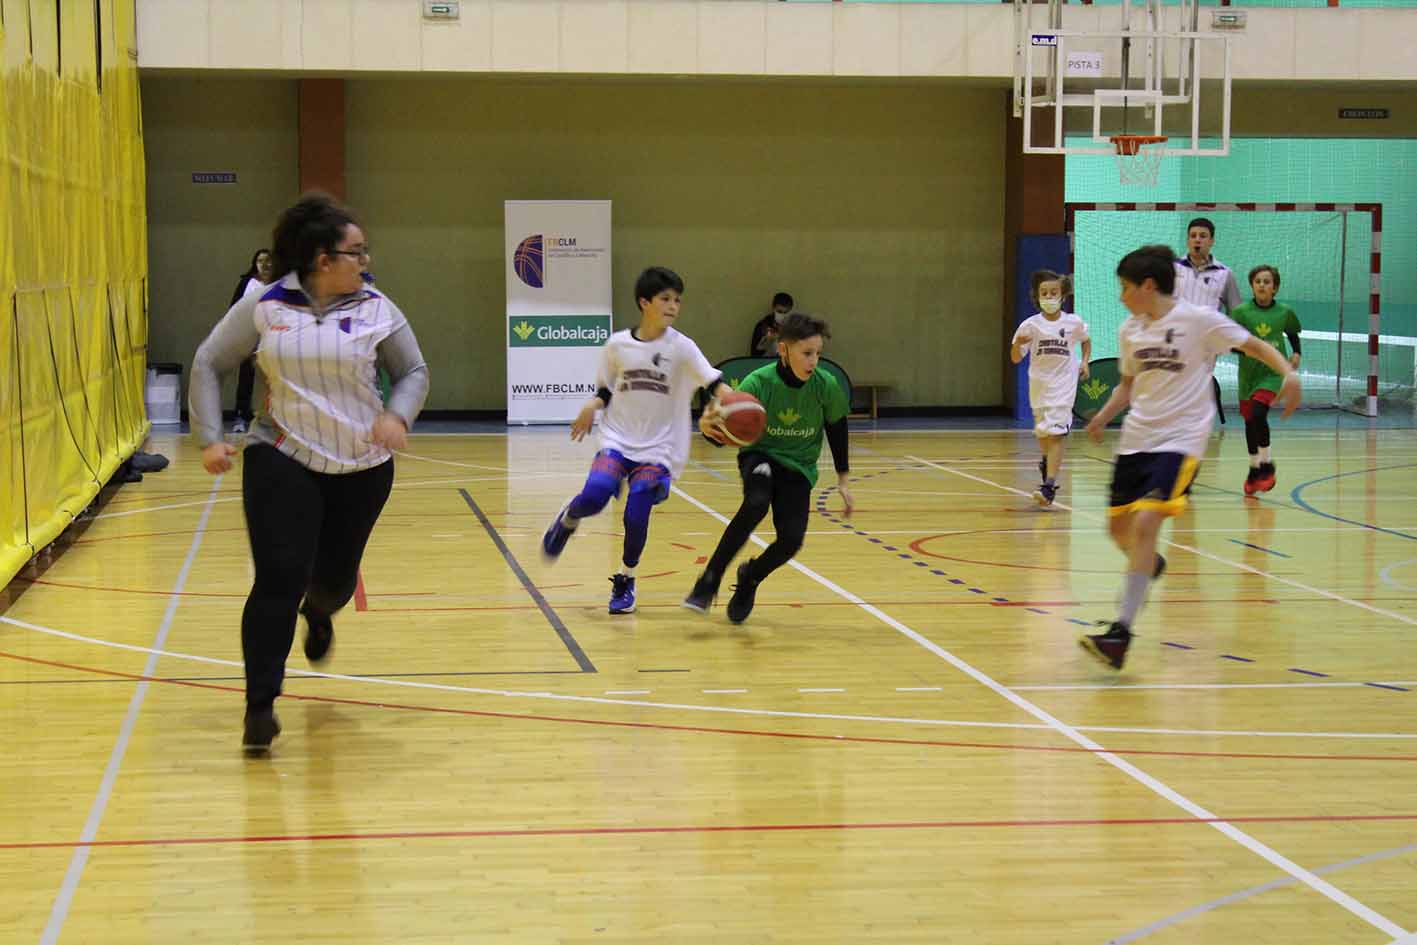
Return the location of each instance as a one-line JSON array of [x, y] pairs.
[[144, 591], [714, 828], [946, 602], [180, 531], [707, 730]]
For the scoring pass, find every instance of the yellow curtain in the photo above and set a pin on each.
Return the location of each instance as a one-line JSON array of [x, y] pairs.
[[73, 263]]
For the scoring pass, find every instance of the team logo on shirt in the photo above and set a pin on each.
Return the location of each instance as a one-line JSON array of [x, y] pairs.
[[789, 416], [1262, 329], [659, 359], [1161, 358], [1095, 388], [644, 379]]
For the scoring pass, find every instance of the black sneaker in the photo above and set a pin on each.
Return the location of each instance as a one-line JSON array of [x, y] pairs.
[[745, 594], [1046, 493], [1109, 647], [262, 727], [702, 596], [319, 634], [1159, 569]]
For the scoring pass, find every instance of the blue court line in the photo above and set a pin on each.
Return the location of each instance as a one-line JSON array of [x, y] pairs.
[[1270, 551], [826, 513], [551, 616], [1297, 495]]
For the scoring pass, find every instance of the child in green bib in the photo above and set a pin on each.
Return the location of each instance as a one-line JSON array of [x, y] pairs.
[[1273, 322], [804, 406]]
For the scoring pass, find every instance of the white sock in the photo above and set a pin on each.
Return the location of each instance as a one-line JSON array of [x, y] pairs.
[[1254, 460], [1264, 454], [627, 570]]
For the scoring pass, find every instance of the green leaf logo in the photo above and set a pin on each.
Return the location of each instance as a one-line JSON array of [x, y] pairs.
[[735, 382], [789, 416], [523, 330], [1095, 388], [1262, 329]]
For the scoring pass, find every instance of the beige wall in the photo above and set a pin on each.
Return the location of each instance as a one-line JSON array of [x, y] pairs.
[[720, 37], [201, 236], [878, 207]]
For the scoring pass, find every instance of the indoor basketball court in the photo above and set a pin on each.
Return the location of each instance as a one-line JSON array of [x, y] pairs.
[[903, 743]]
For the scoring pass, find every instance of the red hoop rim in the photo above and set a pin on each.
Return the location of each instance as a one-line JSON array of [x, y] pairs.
[[1129, 145]]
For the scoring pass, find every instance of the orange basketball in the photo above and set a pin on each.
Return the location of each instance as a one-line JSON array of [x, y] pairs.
[[742, 418]]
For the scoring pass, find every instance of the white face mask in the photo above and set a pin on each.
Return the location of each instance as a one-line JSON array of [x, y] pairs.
[[1050, 306]]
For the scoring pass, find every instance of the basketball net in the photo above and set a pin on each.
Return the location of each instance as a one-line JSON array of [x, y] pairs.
[[1139, 159]]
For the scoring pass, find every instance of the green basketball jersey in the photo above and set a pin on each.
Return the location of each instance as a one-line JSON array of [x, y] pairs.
[[796, 416], [1267, 324]]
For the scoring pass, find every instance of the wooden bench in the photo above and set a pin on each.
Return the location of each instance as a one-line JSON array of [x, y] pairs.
[[871, 388]]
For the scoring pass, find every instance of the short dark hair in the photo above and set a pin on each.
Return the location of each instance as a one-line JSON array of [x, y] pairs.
[[655, 280], [799, 326], [1047, 275], [1266, 267], [782, 298], [1201, 221], [1155, 262], [313, 224]]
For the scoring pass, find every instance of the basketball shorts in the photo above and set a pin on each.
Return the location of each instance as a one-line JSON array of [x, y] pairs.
[[1262, 395], [1142, 481], [1052, 421]]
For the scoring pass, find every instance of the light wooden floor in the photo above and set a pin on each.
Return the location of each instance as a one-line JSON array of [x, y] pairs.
[[903, 745]]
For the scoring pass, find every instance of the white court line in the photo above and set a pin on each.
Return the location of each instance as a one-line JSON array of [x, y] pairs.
[[1282, 685], [727, 710], [397, 485], [449, 462], [1195, 551], [65, 898], [1269, 854], [164, 508]]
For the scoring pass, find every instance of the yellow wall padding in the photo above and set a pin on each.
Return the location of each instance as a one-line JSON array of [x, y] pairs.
[[73, 263]]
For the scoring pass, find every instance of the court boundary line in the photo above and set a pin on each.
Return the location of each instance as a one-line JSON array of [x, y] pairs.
[[73, 875], [712, 709], [1331, 595], [562, 631], [1265, 852]]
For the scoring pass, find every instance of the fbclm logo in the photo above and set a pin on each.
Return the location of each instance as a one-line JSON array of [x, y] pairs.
[[529, 261]]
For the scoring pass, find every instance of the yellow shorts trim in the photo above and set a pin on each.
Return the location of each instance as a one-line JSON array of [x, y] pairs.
[[1169, 507]]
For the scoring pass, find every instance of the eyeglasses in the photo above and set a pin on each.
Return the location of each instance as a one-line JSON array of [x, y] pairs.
[[361, 253]]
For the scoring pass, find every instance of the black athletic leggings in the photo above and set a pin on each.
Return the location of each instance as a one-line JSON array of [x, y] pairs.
[[308, 532], [767, 484], [245, 384], [1257, 427]]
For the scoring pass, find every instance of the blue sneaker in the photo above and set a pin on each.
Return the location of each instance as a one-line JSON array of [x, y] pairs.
[[622, 594], [553, 541]]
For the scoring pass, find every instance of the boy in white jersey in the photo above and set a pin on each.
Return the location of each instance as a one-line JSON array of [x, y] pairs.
[[1050, 339], [1168, 350], [647, 379]]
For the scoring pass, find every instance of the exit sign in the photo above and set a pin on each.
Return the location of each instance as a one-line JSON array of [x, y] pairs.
[[441, 10]]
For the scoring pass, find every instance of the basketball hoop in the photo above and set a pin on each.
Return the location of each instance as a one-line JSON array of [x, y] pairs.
[[1139, 158]]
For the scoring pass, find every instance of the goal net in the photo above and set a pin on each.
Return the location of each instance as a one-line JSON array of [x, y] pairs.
[[1330, 261]]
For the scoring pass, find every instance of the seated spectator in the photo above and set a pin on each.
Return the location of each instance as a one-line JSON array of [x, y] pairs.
[[764, 343]]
